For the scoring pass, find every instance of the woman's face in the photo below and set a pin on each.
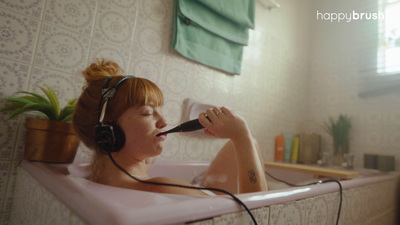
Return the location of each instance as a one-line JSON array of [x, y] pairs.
[[140, 126]]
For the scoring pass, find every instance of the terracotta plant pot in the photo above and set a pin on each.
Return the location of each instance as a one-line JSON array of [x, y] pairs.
[[50, 141]]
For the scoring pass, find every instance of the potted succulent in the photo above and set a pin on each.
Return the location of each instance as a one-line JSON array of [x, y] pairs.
[[339, 130], [52, 139]]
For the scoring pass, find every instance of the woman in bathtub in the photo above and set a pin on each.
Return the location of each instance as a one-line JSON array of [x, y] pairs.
[[135, 110]]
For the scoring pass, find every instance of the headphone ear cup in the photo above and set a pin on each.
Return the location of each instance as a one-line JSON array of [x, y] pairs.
[[109, 137], [119, 137]]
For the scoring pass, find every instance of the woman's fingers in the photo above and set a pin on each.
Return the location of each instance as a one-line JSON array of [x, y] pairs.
[[223, 123], [204, 120]]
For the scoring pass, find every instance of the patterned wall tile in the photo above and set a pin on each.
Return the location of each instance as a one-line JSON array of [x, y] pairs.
[[7, 207], [13, 77], [115, 23], [200, 89], [28, 8], [110, 52], [157, 11], [5, 168], [152, 33], [177, 82], [146, 68], [260, 214], [18, 36], [18, 151], [318, 211], [150, 40], [75, 15], [61, 50], [288, 213], [176, 61], [195, 148], [150, 47], [8, 133], [172, 111]]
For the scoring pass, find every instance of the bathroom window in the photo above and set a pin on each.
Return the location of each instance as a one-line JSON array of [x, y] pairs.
[[379, 55], [388, 57]]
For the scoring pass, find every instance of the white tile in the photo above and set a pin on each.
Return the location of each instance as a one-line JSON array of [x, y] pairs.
[[5, 169], [18, 35], [157, 11], [74, 15], [288, 213], [61, 50], [117, 54], [8, 135], [114, 24], [13, 78], [28, 8], [239, 218], [146, 68]]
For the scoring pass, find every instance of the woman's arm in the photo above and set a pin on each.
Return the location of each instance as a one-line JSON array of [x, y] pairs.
[[238, 158]]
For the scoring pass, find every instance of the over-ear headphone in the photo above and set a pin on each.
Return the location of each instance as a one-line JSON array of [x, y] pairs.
[[109, 136]]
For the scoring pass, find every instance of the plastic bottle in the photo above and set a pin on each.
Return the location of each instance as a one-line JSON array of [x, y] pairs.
[[288, 147], [279, 147], [295, 150]]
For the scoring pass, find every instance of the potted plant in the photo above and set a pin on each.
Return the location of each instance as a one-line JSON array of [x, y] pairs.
[[52, 139], [339, 130]]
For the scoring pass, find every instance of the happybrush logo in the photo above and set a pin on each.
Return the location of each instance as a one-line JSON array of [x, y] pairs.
[[348, 17]]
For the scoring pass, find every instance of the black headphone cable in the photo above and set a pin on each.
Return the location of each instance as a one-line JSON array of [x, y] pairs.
[[185, 186]]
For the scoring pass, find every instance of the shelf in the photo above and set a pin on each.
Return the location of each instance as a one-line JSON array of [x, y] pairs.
[[315, 170]]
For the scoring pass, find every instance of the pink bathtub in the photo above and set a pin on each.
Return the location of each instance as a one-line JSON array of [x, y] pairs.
[[99, 204]]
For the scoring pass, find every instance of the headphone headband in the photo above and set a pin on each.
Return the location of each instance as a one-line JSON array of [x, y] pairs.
[[110, 92], [107, 93]]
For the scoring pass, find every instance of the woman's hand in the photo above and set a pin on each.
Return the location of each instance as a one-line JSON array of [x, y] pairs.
[[250, 175], [223, 123]]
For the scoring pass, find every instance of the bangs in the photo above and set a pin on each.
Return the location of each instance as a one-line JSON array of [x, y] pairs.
[[135, 92], [144, 92]]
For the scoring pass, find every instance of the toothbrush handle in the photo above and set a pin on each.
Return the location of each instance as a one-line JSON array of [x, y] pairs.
[[191, 125]]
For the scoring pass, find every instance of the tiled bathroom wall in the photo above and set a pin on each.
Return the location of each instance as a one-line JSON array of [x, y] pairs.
[[51, 41]]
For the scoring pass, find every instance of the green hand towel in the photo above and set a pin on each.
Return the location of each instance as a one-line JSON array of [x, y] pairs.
[[203, 35], [241, 12], [214, 21]]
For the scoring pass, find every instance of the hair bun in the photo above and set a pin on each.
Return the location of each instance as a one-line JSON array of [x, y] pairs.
[[100, 70]]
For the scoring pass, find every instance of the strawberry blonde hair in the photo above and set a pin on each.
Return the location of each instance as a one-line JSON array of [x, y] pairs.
[[134, 92]]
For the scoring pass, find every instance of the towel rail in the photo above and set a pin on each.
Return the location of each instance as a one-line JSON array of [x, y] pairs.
[[270, 4]]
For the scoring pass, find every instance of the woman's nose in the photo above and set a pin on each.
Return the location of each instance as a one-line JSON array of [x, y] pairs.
[[162, 122]]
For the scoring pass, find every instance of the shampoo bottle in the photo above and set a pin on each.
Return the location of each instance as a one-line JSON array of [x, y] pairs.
[[279, 147], [295, 150], [288, 147]]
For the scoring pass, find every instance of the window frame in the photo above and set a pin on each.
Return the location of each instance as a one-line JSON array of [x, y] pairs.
[[383, 4], [380, 83]]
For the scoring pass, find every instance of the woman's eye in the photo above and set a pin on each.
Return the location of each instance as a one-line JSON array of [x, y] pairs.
[[147, 113]]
